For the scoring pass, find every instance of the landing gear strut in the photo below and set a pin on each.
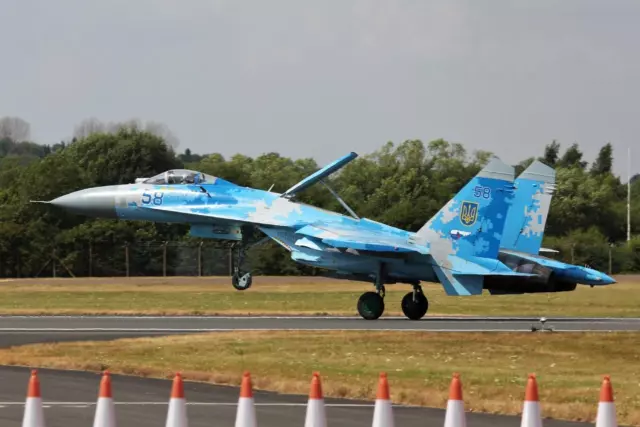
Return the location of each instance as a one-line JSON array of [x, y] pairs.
[[371, 304], [240, 281], [415, 304]]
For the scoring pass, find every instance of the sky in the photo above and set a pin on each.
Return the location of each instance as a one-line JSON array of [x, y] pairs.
[[320, 79]]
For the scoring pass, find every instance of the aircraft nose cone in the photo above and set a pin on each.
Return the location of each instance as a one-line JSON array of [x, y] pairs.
[[94, 202]]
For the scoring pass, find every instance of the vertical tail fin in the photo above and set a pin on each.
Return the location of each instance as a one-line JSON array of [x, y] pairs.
[[527, 217], [471, 223]]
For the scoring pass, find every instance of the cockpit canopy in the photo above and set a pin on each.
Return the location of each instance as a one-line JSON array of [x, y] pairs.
[[179, 176]]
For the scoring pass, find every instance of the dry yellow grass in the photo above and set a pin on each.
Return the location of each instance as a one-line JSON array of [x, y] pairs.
[[291, 295], [494, 366]]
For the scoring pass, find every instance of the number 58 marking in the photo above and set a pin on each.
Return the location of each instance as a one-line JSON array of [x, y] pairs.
[[480, 191], [148, 199]]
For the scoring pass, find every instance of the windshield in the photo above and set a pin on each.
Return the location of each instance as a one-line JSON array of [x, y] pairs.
[[181, 176]]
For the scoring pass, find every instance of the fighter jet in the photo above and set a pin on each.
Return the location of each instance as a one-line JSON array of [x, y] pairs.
[[459, 247]]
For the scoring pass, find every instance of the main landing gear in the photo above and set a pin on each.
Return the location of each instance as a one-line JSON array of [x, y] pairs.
[[371, 304], [415, 304]]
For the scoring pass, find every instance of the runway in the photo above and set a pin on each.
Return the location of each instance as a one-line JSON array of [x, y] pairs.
[[186, 324], [18, 330], [70, 396], [69, 399]]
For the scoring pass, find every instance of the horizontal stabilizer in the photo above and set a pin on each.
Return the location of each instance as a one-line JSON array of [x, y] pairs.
[[319, 175], [546, 262], [459, 284], [467, 278]]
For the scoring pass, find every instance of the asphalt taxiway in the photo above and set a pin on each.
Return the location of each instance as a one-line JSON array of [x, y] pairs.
[[15, 330], [69, 397], [69, 400]]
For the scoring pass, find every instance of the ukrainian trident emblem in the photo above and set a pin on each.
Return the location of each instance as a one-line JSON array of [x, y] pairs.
[[468, 213]]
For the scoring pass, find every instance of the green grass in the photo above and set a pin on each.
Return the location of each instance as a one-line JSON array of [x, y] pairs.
[[292, 295], [493, 366]]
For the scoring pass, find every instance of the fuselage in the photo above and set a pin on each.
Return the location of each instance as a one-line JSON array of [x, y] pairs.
[[212, 208], [220, 210]]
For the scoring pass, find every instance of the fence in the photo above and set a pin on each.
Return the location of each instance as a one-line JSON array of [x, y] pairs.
[[125, 260], [214, 258]]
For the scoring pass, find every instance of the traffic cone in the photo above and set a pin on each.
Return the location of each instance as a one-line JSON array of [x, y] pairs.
[[177, 413], [383, 413], [105, 414], [33, 413], [316, 416], [531, 410], [246, 413], [606, 407], [455, 416]]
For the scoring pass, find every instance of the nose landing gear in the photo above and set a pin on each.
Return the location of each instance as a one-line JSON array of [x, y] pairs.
[[240, 281]]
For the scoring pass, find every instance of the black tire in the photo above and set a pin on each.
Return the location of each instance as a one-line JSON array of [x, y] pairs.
[[370, 305], [415, 310], [235, 281]]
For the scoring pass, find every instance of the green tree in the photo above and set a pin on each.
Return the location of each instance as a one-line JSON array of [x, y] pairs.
[[551, 153], [604, 162], [572, 158]]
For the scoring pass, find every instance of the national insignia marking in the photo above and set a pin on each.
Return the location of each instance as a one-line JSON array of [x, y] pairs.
[[468, 213]]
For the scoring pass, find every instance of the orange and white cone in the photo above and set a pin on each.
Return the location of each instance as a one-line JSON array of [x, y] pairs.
[[105, 413], [606, 408], [177, 413], [316, 416], [383, 412], [531, 416], [246, 413], [33, 412], [455, 416]]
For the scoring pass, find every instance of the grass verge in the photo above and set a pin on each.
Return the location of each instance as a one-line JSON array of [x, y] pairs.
[[493, 366], [292, 295]]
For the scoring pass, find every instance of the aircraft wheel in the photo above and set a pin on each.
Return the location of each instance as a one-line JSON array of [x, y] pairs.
[[241, 283], [370, 305], [415, 310]]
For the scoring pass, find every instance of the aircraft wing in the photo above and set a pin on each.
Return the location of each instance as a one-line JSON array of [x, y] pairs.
[[361, 239], [217, 214], [319, 175]]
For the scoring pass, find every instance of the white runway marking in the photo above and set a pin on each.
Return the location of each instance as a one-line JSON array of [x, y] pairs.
[[39, 330], [236, 317], [89, 404]]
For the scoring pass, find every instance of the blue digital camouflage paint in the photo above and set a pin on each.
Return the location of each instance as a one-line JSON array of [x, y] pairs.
[[485, 238]]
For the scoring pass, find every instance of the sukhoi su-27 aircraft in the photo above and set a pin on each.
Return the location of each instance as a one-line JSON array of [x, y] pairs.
[[465, 246]]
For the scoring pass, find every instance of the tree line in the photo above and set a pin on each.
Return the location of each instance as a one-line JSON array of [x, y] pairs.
[[399, 184]]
